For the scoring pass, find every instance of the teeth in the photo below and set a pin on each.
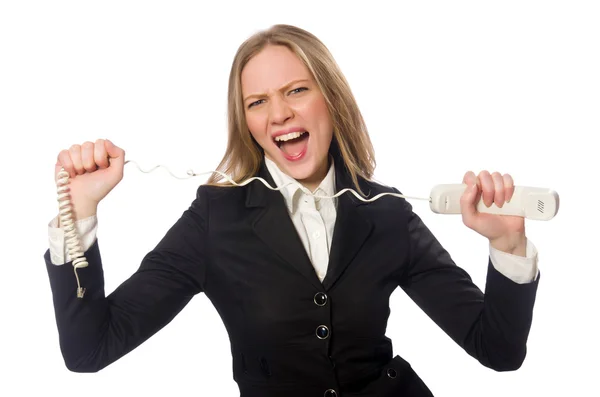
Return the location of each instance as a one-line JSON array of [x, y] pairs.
[[291, 135]]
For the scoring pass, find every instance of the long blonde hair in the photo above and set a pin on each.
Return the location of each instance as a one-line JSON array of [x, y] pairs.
[[351, 140]]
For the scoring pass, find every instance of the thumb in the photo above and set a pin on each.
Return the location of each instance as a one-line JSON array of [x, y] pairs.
[[467, 205], [116, 155]]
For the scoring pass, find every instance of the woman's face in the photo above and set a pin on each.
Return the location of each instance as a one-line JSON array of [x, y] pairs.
[[287, 114]]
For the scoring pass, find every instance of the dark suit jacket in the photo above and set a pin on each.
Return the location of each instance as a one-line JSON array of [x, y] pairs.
[[292, 335]]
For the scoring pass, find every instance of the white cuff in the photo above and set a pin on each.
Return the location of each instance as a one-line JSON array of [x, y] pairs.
[[86, 229], [520, 269]]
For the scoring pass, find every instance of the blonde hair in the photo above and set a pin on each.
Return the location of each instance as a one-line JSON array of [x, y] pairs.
[[351, 140]]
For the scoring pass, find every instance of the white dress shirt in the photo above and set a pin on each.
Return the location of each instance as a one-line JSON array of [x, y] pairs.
[[314, 220]]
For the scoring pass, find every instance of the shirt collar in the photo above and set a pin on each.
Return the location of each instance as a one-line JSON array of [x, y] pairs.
[[294, 190]]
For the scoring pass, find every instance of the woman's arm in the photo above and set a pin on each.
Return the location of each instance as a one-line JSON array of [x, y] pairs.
[[97, 330], [492, 327]]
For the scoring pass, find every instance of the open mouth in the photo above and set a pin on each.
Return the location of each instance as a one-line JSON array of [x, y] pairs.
[[293, 145]]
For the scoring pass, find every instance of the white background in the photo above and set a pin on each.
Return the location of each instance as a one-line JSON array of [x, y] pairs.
[[445, 87]]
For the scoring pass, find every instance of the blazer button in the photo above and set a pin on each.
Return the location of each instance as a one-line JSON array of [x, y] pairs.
[[320, 299], [330, 393], [322, 332], [391, 373]]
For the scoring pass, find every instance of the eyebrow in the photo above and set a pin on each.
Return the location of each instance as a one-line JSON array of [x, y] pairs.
[[286, 86]]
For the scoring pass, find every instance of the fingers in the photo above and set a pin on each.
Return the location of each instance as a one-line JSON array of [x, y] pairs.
[[75, 153], [509, 186], [470, 178], [496, 188], [64, 160], [468, 200], [499, 192], [117, 157], [492, 188], [88, 157], [114, 152], [100, 154]]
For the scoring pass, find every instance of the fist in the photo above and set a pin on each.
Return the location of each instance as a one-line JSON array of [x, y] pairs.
[[94, 170], [504, 232]]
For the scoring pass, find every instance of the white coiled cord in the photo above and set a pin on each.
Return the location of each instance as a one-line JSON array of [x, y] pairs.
[[66, 222], [72, 239]]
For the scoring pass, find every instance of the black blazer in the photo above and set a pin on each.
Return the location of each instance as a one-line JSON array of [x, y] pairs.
[[290, 334]]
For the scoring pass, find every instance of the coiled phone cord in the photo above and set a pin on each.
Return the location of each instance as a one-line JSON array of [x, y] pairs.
[[72, 239], [66, 222]]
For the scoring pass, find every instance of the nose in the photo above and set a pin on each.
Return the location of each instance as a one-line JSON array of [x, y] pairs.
[[280, 111]]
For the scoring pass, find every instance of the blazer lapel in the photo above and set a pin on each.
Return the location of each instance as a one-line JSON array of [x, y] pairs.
[[274, 226], [352, 228]]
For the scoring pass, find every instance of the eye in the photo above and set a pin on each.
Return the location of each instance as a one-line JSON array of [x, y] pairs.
[[255, 103], [297, 90]]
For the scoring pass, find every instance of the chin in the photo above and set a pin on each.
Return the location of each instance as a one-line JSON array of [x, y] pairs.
[[301, 172], [308, 171]]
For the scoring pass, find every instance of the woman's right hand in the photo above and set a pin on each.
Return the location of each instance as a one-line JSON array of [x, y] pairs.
[[94, 170]]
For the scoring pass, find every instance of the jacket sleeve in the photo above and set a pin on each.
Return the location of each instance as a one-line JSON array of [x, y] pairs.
[[492, 327], [97, 330]]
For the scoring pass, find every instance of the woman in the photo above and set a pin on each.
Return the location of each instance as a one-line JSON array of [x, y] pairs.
[[302, 284]]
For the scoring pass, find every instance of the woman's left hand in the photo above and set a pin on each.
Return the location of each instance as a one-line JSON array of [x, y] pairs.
[[505, 233]]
